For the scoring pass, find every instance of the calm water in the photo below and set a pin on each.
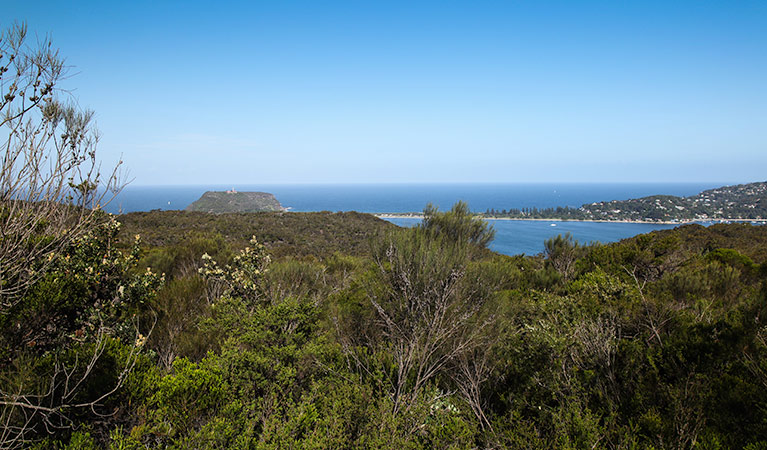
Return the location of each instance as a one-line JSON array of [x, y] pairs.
[[512, 237], [407, 197]]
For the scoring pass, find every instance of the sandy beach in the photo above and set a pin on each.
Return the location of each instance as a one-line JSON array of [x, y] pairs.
[[677, 222]]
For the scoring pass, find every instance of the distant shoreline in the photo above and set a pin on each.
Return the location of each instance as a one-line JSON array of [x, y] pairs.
[[678, 222]]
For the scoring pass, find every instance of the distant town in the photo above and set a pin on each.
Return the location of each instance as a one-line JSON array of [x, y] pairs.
[[739, 202], [743, 202]]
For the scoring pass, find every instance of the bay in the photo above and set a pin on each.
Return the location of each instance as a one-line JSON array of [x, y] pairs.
[[512, 236]]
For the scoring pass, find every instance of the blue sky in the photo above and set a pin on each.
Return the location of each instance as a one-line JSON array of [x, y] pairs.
[[346, 92]]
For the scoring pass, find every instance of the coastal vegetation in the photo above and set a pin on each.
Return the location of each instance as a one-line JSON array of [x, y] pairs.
[[233, 201], [739, 202], [414, 338], [175, 329], [314, 234]]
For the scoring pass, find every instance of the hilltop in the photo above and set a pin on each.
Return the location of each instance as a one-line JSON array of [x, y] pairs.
[[232, 201], [298, 234], [738, 202]]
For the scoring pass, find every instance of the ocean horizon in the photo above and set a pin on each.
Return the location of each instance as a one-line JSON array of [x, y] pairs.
[[406, 197], [512, 237]]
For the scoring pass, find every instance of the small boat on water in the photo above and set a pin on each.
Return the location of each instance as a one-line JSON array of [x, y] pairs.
[[553, 225]]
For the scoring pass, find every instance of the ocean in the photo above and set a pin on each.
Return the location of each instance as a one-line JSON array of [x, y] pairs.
[[512, 237]]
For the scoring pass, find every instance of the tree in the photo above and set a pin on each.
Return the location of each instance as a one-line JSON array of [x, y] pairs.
[[69, 307], [458, 224], [428, 311], [51, 183], [561, 254]]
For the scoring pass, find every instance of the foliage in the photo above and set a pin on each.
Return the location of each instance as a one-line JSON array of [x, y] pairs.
[[320, 234], [427, 310], [357, 334], [74, 339], [423, 340], [227, 202], [50, 180], [561, 252], [457, 224], [610, 357], [242, 278], [743, 201]]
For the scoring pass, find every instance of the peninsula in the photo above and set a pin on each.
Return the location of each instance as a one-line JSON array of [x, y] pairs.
[[738, 202], [218, 202], [743, 202]]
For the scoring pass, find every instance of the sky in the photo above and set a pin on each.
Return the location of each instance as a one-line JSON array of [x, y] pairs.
[[264, 92]]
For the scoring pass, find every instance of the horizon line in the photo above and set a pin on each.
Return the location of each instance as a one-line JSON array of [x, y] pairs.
[[433, 183]]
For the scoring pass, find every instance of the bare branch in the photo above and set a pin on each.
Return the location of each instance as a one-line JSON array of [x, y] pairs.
[[51, 183]]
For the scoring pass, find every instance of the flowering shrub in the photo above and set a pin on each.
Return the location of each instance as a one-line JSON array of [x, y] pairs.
[[241, 278], [71, 342]]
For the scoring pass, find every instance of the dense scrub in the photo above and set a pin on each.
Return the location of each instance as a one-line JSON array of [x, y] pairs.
[[307, 337], [322, 330], [295, 234]]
